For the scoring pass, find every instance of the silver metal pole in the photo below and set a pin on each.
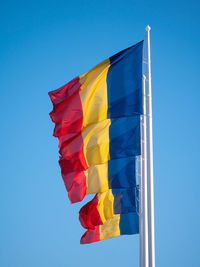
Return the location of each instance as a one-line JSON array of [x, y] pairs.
[[144, 259], [144, 177], [141, 218], [150, 189]]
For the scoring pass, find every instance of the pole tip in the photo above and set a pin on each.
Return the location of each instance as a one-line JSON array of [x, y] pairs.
[[148, 28]]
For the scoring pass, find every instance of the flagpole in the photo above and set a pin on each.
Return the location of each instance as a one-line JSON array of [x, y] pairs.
[[141, 218], [143, 185], [150, 186]]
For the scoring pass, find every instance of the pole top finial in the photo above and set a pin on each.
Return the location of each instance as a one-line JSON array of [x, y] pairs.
[[148, 28]]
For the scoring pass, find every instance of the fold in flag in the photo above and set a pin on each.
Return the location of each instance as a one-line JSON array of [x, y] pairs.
[[105, 205], [97, 122], [124, 224]]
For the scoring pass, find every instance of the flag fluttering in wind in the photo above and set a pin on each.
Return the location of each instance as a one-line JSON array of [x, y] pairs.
[[97, 122]]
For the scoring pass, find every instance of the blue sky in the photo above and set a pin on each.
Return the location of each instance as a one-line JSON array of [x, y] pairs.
[[44, 44]]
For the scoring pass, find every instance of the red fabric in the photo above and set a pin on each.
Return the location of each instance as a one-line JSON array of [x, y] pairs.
[[68, 178], [89, 216], [91, 236], [73, 153], [75, 183], [67, 113], [61, 94], [78, 189], [68, 117]]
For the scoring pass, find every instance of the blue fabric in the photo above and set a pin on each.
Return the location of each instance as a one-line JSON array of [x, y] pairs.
[[124, 82], [121, 173], [124, 200], [124, 136], [129, 224]]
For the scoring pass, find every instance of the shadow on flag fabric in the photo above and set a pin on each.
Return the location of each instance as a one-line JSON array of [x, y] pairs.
[[97, 123]]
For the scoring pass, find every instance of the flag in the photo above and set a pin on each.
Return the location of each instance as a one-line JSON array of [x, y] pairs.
[[97, 122]]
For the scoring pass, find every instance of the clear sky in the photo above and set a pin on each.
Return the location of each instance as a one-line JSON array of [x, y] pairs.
[[44, 44]]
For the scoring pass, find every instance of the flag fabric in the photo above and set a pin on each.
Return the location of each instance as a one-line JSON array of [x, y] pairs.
[[124, 224], [97, 122], [105, 205]]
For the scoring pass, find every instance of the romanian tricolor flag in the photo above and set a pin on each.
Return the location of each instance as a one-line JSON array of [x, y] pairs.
[[97, 122]]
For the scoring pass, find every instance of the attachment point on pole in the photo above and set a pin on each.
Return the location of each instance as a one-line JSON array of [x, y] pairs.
[[143, 77], [148, 28]]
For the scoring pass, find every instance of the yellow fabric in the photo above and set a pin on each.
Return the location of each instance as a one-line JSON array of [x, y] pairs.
[[96, 142], [93, 93], [105, 205], [97, 178], [110, 228]]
